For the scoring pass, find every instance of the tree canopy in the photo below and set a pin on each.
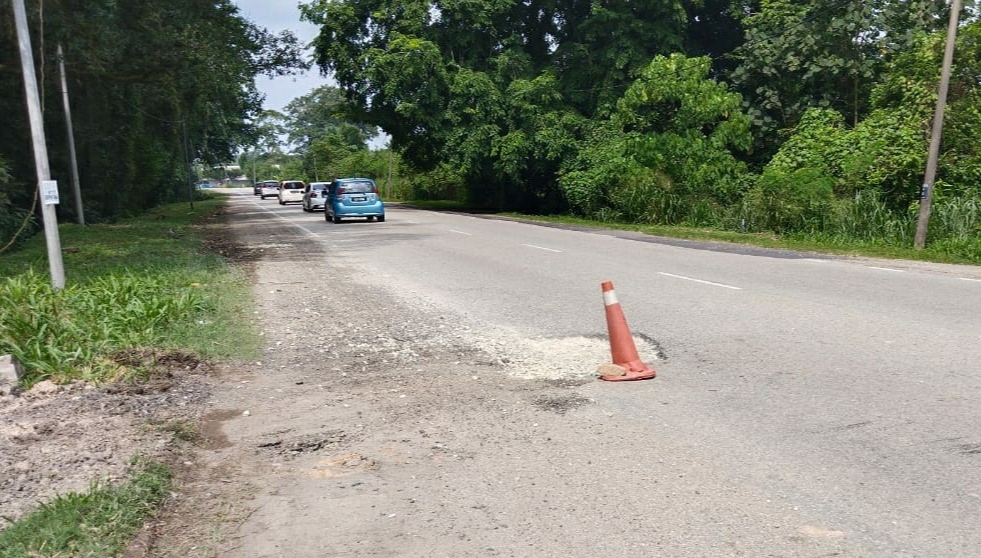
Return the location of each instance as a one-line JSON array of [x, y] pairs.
[[153, 84]]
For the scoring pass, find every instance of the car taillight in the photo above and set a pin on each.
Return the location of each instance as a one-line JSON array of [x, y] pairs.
[[340, 191]]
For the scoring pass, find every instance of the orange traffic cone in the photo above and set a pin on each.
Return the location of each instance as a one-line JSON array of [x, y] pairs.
[[622, 346]]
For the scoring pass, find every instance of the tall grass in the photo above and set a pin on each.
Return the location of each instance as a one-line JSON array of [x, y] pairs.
[[861, 225], [70, 333], [141, 283]]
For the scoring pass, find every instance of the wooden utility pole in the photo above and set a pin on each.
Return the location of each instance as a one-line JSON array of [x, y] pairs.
[[926, 195], [76, 183], [47, 188]]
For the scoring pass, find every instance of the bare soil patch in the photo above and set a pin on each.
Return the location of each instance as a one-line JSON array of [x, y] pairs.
[[59, 439]]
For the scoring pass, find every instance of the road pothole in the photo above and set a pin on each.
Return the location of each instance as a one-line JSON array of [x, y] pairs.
[[559, 358], [560, 404], [308, 443]]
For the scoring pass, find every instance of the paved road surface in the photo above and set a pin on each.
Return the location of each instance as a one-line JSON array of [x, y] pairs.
[[840, 395]]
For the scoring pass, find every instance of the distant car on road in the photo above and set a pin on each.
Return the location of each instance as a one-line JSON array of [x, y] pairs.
[[257, 188], [269, 189], [315, 195], [203, 185], [353, 197], [291, 191]]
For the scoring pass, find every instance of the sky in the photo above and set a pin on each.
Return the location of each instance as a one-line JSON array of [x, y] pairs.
[[276, 16]]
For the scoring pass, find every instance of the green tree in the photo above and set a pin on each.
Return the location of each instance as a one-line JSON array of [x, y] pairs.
[[821, 53], [665, 156], [321, 113], [154, 83]]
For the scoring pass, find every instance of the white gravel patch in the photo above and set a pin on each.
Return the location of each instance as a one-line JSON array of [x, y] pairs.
[[553, 358]]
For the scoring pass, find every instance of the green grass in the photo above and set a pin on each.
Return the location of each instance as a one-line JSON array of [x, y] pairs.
[[144, 282], [97, 524], [804, 243], [450, 205]]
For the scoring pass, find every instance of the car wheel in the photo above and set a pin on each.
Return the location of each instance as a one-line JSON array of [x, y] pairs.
[[381, 218], [371, 218], [335, 219]]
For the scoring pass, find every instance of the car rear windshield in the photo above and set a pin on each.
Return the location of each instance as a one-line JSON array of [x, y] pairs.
[[293, 185], [316, 186], [270, 184], [357, 187]]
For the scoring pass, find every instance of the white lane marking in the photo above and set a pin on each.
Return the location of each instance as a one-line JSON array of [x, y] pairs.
[[969, 279], [281, 218], [459, 232], [886, 269], [542, 248], [815, 260], [702, 282]]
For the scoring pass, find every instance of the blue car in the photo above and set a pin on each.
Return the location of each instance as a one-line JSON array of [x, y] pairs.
[[353, 197]]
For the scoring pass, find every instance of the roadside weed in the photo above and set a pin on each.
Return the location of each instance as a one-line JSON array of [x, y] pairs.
[[145, 282], [96, 524]]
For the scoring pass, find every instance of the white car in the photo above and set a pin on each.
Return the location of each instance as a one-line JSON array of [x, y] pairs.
[[291, 191]]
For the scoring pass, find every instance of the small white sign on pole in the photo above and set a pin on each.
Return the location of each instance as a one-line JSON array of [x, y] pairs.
[[49, 192]]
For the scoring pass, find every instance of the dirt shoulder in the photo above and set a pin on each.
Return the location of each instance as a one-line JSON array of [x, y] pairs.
[[59, 439], [344, 438]]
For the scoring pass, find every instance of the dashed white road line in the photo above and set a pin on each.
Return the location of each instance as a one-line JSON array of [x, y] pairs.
[[886, 269], [723, 285], [969, 279], [459, 232], [542, 248], [815, 260]]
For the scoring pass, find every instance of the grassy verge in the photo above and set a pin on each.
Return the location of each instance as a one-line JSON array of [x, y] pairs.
[[144, 282], [838, 246], [96, 524], [445, 205]]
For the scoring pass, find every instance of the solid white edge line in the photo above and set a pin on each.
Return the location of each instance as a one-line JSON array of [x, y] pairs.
[[701, 281], [886, 269], [542, 248], [969, 279], [459, 232]]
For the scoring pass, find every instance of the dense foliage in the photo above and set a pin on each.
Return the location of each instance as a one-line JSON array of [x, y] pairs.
[[153, 84], [798, 117]]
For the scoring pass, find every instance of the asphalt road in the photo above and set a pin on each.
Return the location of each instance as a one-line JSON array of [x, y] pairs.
[[840, 395]]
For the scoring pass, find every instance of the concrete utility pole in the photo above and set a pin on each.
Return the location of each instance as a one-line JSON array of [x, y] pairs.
[[926, 195], [391, 161], [76, 184], [48, 190]]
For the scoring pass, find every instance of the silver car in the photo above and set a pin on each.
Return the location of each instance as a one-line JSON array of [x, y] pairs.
[[315, 195], [269, 189]]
